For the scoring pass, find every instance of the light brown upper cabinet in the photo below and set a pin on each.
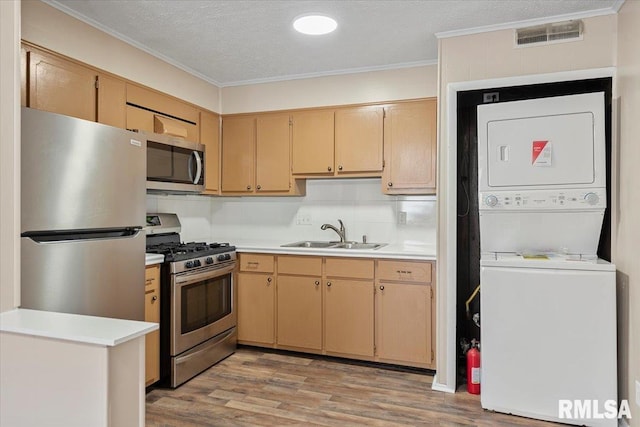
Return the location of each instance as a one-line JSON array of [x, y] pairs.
[[112, 98], [338, 142], [210, 137], [256, 155], [238, 154], [273, 153], [358, 136], [410, 148], [313, 142], [155, 112], [61, 86]]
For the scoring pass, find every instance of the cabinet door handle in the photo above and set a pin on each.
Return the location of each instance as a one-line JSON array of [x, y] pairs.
[[389, 184], [329, 168], [317, 282], [329, 284], [154, 298], [258, 187], [340, 167], [248, 187], [381, 287]]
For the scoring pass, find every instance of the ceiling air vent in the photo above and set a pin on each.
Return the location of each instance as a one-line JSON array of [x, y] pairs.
[[549, 33]]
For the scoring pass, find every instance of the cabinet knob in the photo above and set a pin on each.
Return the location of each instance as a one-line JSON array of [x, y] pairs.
[[329, 168], [269, 279], [317, 282], [248, 187], [154, 298], [389, 184], [381, 287], [329, 284], [258, 187], [340, 167]]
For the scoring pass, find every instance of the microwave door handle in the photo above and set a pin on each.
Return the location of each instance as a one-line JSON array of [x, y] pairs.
[[198, 167]]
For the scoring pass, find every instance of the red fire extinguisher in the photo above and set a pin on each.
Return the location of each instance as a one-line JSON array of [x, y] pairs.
[[473, 368]]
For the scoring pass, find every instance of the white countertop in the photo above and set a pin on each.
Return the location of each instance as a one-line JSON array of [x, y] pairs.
[[392, 251], [151, 259], [102, 331]]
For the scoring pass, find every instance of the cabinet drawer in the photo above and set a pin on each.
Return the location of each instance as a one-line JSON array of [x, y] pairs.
[[256, 262], [300, 265], [355, 268], [409, 271]]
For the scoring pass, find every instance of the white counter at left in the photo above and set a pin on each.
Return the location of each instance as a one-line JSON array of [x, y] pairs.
[[59, 369]]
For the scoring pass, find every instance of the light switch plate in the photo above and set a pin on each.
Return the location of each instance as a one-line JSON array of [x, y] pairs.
[[637, 392]]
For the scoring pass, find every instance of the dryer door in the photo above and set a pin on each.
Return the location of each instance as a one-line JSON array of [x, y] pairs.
[[556, 142]]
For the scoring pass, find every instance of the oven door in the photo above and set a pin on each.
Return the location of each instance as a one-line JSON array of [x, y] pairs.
[[202, 306]]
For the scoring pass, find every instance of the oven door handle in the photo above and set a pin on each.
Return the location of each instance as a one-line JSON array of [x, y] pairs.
[[195, 277]]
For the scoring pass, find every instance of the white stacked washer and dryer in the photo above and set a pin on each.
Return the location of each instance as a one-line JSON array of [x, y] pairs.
[[548, 303]]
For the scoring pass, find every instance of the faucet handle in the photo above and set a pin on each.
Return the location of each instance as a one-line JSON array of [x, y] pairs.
[[341, 225]]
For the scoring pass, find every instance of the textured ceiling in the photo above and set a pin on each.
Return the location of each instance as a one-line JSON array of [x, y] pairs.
[[235, 42]]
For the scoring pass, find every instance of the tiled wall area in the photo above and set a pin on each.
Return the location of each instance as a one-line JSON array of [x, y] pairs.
[[358, 202]]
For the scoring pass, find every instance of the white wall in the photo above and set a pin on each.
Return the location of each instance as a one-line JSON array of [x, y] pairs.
[[493, 55], [374, 86], [627, 218], [55, 30], [358, 202], [9, 154]]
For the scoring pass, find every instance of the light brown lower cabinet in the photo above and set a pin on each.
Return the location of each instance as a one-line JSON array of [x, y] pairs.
[[348, 325], [152, 314], [256, 299], [256, 308], [405, 313], [376, 310], [299, 311]]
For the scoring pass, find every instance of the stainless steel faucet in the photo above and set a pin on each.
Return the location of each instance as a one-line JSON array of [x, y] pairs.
[[341, 232]]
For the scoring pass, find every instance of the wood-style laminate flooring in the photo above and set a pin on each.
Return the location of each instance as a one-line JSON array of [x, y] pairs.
[[261, 388]]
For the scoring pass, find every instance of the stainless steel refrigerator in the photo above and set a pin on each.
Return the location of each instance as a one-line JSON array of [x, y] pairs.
[[83, 208]]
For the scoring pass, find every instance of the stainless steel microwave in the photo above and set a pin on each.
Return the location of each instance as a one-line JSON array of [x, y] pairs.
[[174, 165]]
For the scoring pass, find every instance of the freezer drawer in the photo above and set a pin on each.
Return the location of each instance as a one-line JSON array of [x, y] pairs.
[[547, 334], [99, 277]]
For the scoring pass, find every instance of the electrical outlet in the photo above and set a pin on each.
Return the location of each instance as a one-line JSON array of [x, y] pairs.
[[402, 217], [303, 219], [637, 392]]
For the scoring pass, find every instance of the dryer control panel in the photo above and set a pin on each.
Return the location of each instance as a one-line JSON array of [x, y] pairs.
[[544, 200]]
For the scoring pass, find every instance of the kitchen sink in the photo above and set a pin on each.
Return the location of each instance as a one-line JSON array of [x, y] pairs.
[[357, 245], [333, 245], [310, 244]]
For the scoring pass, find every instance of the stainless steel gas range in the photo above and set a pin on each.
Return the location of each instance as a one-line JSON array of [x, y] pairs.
[[197, 301]]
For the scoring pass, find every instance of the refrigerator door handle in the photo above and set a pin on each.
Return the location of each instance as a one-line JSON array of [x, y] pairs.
[[75, 235]]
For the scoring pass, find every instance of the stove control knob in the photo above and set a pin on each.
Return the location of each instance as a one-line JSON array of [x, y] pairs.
[[188, 264], [197, 263], [592, 198], [227, 257], [221, 257], [209, 260], [491, 200]]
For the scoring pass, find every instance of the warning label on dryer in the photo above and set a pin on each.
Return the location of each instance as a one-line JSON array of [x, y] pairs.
[[541, 153]]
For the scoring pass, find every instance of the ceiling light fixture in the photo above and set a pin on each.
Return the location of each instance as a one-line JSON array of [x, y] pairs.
[[314, 25]]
